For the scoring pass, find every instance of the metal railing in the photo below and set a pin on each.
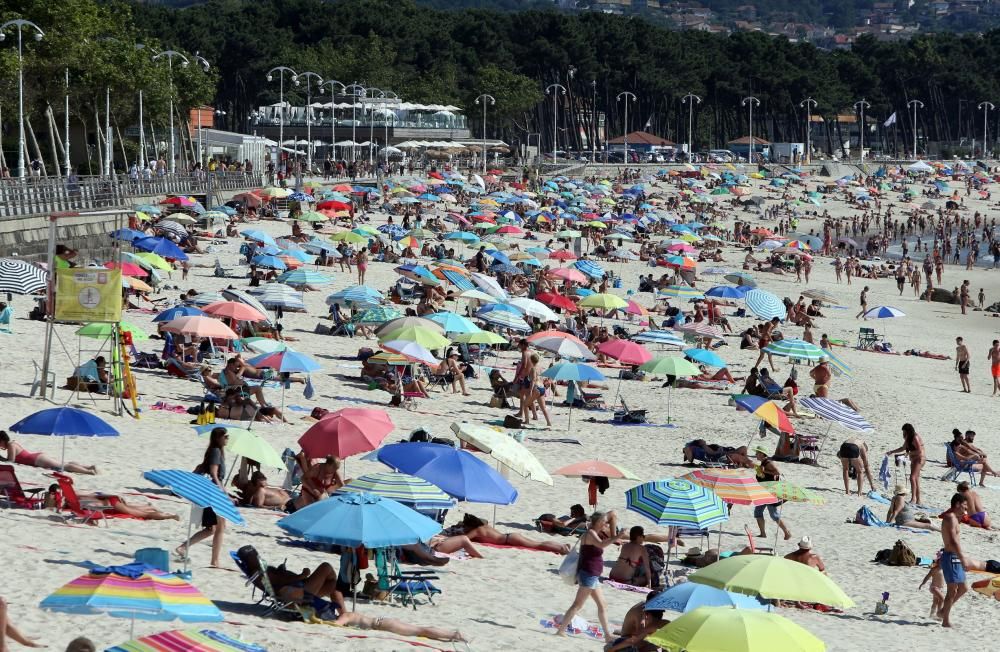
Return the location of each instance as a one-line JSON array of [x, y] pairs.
[[41, 196]]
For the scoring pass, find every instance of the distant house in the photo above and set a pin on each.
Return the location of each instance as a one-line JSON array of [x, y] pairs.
[[741, 146], [640, 141]]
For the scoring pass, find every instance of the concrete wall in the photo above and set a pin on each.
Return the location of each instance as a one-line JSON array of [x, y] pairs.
[[28, 237]]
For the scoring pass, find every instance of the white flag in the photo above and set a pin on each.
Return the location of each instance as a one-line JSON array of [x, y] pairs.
[[891, 121]]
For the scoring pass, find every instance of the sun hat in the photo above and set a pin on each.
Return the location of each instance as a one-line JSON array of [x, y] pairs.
[[805, 543], [900, 490], [761, 450], [693, 552]]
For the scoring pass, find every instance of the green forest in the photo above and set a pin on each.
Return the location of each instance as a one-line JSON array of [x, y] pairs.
[[428, 55]]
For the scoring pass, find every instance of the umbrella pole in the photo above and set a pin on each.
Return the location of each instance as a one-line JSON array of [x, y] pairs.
[[62, 461], [187, 545]]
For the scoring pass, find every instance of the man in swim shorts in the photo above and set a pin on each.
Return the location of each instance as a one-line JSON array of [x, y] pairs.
[[962, 364], [977, 511], [994, 357], [953, 559]]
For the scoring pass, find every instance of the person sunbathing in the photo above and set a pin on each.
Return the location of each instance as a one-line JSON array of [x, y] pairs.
[[480, 531], [420, 553], [901, 512], [55, 500], [700, 450], [18, 454], [254, 492], [300, 588], [237, 407], [381, 623], [632, 565]]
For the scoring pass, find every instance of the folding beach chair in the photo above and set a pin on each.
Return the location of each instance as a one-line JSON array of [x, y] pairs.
[[754, 548], [958, 467], [405, 586], [73, 507], [868, 338], [13, 494], [5, 316]]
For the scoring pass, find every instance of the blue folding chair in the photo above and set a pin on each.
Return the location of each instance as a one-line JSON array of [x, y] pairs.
[[958, 467]]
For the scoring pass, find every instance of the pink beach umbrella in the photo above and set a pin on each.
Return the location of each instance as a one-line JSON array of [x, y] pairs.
[[200, 326], [346, 432]]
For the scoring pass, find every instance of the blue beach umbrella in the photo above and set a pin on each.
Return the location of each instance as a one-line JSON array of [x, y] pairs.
[[686, 596], [161, 247], [268, 260], [197, 489], [728, 291], [765, 305], [127, 235], [678, 503], [883, 312], [287, 361], [356, 295], [458, 473], [259, 236], [64, 422], [178, 311], [360, 519], [706, 357], [454, 323]]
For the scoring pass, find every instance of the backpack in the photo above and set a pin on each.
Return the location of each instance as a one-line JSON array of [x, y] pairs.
[[866, 516], [902, 555]]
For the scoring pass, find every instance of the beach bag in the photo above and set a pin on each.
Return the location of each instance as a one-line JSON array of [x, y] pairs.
[[656, 564], [568, 568], [866, 516], [511, 421], [902, 555], [992, 566]]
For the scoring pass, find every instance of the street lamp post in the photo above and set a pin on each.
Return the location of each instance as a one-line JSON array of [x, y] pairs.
[[985, 107], [281, 70], [809, 103], [486, 99], [375, 92], [201, 148], [20, 24], [750, 100], [333, 111], [308, 76], [593, 139], [862, 105], [388, 94], [618, 98], [357, 90], [916, 104], [690, 99], [170, 54], [554, 90], [66, 161]]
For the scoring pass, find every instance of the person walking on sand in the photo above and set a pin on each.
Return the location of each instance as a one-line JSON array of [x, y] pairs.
[[953, 559], [213, 465], [601, 534], [962, 362], [864, 303], [963, 295], [993, 355]]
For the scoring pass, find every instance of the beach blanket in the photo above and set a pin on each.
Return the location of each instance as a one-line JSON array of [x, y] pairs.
[[879, 498], [620, 423], [167, 407], [556, 440], [626, 587], [579, 627], [497, 545]]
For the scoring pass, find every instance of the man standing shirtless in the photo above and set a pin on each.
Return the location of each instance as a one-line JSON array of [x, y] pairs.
[[994, 357], [953, 559], [962, 364]]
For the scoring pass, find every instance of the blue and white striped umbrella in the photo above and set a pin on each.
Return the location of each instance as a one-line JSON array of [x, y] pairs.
[[765, 305], [356, 295], [836, 411], [304, 277], [659, 337], [460, 281], [591, 269], [279, 295], [505, 319], [197, 489], [884, 312]]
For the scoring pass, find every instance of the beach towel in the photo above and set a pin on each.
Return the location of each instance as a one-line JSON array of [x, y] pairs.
[[497, 545], [626, 587], [578, 627], [884, 474], [556, 440], [879, 498]]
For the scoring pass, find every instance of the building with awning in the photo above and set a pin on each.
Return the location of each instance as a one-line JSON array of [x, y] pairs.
[[640, 141]]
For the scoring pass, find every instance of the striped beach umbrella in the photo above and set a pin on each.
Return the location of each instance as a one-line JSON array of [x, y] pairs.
[[765, 305], [403, 488], [197, 489], [677, 502], [304, 277], [884, 312], [667, 338], [504, 449], [590, 268], [504, 319], [134, 592], [205, 640], [232, 294], [795, 349], [356, 295], [376, 315], [279, 295], [21, 277], [821, 295], [734, 486], [787, 491], [681, 292], [701, 329], [837, 412], [740, 278]]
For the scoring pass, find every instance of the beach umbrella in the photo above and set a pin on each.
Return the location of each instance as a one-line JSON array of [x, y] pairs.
[[795, 349], [701, 329], [177, 311], [257, 235], [728, 291], [197, 489], [667, 338], [534, 308], [268, 261], [572, 371], [603, 301], [489, 285], [200, 327], [678, 503], [104, 330], [504, 319], [304, 277], [160, 247], [594, 469], [765, 305], [883, 312], [265, 345], [706, 357], [687, 596], [734, 486], [410, 322], [64, 422], [234, 310], [127, 269], [376, 316], [453, 323], [562, 344], [360, 295], [837, 412], [676, 367], [278, 295], [568, 274], [626, 352], [407, 489], [457, 472], [504, 449], [360, 519], [411, 351], [346, 432], [246, 443], [133, 591], [821, 295], [232, 294], [711, 629], [789, 492], [203, 299], [425, 337], [480, 337], [765, 410], [206, 640], [740, 278], [681, 292], [772, 578]]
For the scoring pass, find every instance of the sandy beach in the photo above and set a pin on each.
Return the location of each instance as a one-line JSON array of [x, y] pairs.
[[498, 602]]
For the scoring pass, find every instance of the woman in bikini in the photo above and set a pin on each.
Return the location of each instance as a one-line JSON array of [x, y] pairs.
[[54, 500], [537, 391], [18, 454], [480, 531], [913, 446], [297, 587], [632, 566], [318, 482], [383, 624]]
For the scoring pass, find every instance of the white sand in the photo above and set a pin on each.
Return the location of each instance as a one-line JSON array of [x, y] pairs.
[[498, 601]]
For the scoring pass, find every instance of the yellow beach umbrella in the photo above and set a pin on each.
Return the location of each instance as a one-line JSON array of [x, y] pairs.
[[604, 301], [710, 629], [772, 578], [425, 337]]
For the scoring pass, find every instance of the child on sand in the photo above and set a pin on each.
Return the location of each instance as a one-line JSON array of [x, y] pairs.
[[937, 587]]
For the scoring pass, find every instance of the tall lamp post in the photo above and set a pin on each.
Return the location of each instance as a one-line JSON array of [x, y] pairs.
[[593, 120], [809, 103], [357, 90], [281, 70], [201, 147], [861, 105], [486, 99], [388, 94], [916, 104], [985, 107], [333, 83], [20, 25], [170, 54], [373, 93], [308, 77], [690, 99], [554, 90], [618, 98], [750, 100]]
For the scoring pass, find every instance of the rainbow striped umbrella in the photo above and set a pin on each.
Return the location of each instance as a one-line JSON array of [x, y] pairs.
[[191, 640], [677, 502], [133, 591], [734, 486]]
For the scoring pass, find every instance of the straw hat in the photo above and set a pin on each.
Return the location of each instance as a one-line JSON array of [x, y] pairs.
[[805, 543], [693, 552], [823, 359], [761, 450], [900, 490]]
